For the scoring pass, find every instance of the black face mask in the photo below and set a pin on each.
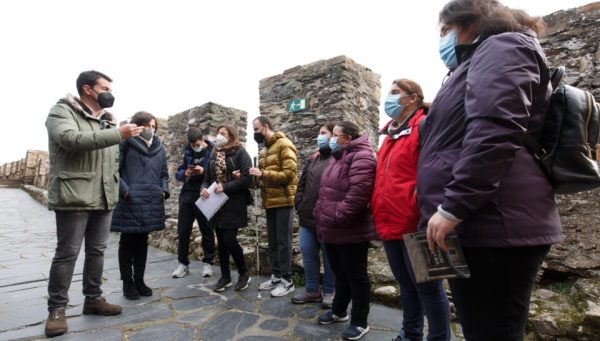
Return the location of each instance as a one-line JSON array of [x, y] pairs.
[[105, 100], [259, 138]]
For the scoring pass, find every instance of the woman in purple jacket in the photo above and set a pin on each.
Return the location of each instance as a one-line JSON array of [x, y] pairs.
[[345, 225], [475, 175]]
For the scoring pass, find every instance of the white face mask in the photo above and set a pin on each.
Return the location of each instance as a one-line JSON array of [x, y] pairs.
[[197, 149], [221, 140]]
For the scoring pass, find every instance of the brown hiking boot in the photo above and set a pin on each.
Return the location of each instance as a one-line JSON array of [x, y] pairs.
[[56, 324], [99, 306]]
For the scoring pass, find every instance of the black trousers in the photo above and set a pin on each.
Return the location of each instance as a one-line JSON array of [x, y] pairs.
[[133, 252], [279, 232], [494, 303], [352, 283], [228, 245], [188, 211]]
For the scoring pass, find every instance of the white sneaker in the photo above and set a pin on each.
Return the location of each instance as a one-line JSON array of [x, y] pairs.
[[269, 284], [181, 271], [207, 270], [283, 288], [327, 301]]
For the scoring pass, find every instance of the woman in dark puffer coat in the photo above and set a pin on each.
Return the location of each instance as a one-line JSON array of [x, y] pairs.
[[143, 188], [345, 225]]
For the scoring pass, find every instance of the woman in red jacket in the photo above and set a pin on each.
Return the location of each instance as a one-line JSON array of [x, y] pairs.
[[395, 211]]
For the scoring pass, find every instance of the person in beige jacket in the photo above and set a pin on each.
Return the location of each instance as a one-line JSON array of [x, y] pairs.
[[276, 172]]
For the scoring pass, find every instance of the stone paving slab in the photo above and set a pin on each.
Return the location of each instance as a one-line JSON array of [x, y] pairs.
[[180, 309]]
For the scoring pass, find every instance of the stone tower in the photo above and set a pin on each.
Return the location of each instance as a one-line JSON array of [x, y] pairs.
[[207, 117], [334, 90]]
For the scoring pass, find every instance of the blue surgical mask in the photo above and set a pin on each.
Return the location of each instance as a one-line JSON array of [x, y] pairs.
[[447, 51], [322, 141], [333, 145], [392, 106]]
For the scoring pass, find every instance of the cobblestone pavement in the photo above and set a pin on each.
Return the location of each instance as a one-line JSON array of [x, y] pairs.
[[180, 309]]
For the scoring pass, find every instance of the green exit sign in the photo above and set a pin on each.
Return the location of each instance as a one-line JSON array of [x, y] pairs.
[[296, 105]]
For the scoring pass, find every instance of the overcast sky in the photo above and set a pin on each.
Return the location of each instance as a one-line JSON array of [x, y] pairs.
[[166, 57]]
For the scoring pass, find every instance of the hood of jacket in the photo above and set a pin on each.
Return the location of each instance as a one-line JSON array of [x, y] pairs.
[[106, 117], [276, 136], [360, 143], [141, 147]]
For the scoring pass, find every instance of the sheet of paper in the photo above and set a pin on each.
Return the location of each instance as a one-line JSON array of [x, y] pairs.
[[214, 202]]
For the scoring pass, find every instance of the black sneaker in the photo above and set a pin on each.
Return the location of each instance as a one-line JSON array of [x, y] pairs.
[[329, 318], [242, 283], [222, 284], [354, 332]]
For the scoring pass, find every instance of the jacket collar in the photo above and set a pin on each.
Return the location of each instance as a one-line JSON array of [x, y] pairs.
[[209, 146], [408, 122], [142, 147], [359, 143], [276, 136], [464, 52], [78, 106]]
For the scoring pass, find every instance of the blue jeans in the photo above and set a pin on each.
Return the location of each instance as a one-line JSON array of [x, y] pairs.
[[310, 248], [428, 298]]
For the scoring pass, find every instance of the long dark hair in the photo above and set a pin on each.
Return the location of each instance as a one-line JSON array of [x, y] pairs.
[[490, 17]]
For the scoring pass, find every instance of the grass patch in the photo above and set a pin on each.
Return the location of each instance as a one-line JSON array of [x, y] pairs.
[[560, 287], [298, 279]]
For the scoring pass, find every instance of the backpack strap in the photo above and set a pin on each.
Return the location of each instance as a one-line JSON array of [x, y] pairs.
[[557, 76], [529, 142], [421, 128]]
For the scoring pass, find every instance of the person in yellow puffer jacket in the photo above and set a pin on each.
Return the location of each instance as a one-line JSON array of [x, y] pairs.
[[277, 173]]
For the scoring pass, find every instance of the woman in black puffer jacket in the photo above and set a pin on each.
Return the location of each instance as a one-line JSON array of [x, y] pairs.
[[229, 168], [143, 189]]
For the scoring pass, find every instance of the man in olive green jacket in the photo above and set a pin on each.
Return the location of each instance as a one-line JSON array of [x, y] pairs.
[[83, 189], [277, 174]]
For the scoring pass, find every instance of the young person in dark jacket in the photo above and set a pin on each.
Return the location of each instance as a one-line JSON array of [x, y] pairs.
[[143, 188], [395, 212], [345, 225], [191, 172], [475, 175], [310, 247], [229, 168]]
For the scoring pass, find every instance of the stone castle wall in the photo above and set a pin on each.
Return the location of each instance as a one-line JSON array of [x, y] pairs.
[[31, 170], [335, 89], [207, 117], [572, 38]]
